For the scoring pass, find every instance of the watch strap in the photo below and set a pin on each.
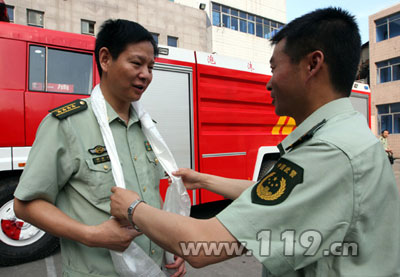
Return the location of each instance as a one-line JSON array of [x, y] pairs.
[[131, 209]]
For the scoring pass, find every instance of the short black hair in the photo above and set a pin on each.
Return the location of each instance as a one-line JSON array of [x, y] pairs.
[[385, 131], [332, 31], [115, 35]]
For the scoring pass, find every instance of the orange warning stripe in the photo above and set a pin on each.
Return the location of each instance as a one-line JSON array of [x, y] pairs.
[[284, 126]]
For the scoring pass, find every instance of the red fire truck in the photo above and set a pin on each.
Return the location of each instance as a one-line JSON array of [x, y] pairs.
[[213, 111]]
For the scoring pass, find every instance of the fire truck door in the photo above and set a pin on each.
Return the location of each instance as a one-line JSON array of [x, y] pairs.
[[168, 100]]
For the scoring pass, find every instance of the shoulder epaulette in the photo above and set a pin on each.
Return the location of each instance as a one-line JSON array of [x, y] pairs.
[[307, 135], [69, 109]]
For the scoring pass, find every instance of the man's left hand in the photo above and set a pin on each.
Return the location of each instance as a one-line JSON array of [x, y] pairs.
[[121, 199], [179, 266]]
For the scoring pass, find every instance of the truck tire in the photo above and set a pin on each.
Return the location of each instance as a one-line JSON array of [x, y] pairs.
[[265, 167], [20, 242]]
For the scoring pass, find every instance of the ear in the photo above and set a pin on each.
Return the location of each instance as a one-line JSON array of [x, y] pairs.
[[105, 58], [315, 61]]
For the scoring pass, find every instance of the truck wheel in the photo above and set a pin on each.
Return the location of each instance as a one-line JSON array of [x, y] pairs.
[[265, 167], [20, 241]]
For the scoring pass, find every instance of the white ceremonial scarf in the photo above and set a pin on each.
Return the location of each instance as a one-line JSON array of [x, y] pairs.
[[176, 200]]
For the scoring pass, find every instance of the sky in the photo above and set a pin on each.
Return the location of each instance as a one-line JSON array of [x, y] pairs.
[[361, 9]]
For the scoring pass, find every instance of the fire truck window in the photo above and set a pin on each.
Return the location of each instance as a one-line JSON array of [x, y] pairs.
[[37, 61], [69, 72]]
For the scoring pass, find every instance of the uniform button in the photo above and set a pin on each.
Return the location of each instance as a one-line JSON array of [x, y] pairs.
[[153, 251], [135, 158], [105, 167], [156, 160], [82, 102], [144, 188]]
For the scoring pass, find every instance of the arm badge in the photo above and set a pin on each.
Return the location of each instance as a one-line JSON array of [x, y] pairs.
[[276, 186]]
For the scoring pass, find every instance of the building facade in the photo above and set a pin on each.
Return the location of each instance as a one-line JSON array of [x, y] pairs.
[[384, 49], [240, 28], [234, 28], [170, 23]]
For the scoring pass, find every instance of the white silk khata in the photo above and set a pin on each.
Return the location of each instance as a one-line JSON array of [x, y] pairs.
[[134, 261]]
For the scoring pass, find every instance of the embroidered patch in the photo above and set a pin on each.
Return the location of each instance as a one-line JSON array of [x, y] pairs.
[[101, 159], [148, 146], [277, 185], [69, 109], [97, 150]]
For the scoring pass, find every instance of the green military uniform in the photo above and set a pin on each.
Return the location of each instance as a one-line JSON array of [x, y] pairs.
[[69, 167], [384, 142], [333, 184]]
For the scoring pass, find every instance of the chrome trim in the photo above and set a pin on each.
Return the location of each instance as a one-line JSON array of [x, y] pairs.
[[224, 154]]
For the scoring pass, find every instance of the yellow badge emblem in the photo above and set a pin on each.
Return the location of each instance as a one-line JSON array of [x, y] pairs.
[[97, 150], [276, 186]]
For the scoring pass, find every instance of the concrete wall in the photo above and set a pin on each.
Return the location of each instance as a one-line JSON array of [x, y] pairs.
[[158, 16], [389, 92]]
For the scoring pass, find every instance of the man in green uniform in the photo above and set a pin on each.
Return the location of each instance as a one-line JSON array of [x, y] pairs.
[[383, 139], [330, 205], [65, 187]]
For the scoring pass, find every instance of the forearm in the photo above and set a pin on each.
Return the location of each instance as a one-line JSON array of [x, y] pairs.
[[49, 218], [229, 188], [172, 231]]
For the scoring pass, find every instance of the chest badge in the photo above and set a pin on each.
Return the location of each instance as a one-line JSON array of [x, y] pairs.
[[102, 159], [148, 146], [97, 150], [277, 185]]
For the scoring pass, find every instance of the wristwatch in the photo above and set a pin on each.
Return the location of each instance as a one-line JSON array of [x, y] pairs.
[[131, 209]]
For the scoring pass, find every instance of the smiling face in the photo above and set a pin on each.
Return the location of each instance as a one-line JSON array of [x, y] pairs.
[[286, 83], [126, 78]]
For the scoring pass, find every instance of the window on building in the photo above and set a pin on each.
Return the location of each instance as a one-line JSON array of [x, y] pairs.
[[155, 37], [172, 41], [389, 117], [388, 71], [226, 21], [388, 27], [87, 27], [223, 16], [243, 26], [234, 23], [10, 13], [46, 74], [35, 18], [216, 14], [250, 24]]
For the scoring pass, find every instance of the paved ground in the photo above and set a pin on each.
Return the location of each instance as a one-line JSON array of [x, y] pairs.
[[240, 266], [51, 267]]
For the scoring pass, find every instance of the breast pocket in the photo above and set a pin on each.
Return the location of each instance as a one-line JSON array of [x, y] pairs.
[[155, 170], [100, 178], [152, 158]]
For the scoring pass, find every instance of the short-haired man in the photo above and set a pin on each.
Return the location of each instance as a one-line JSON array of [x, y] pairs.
[[383, 139], [65, 187], [330, 206]]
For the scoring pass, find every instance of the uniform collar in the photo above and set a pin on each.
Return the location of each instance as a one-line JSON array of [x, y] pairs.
[[316, 120], [112, 115]]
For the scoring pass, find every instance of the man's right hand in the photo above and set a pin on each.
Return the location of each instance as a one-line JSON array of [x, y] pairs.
[[112, 235], [191, 179]]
